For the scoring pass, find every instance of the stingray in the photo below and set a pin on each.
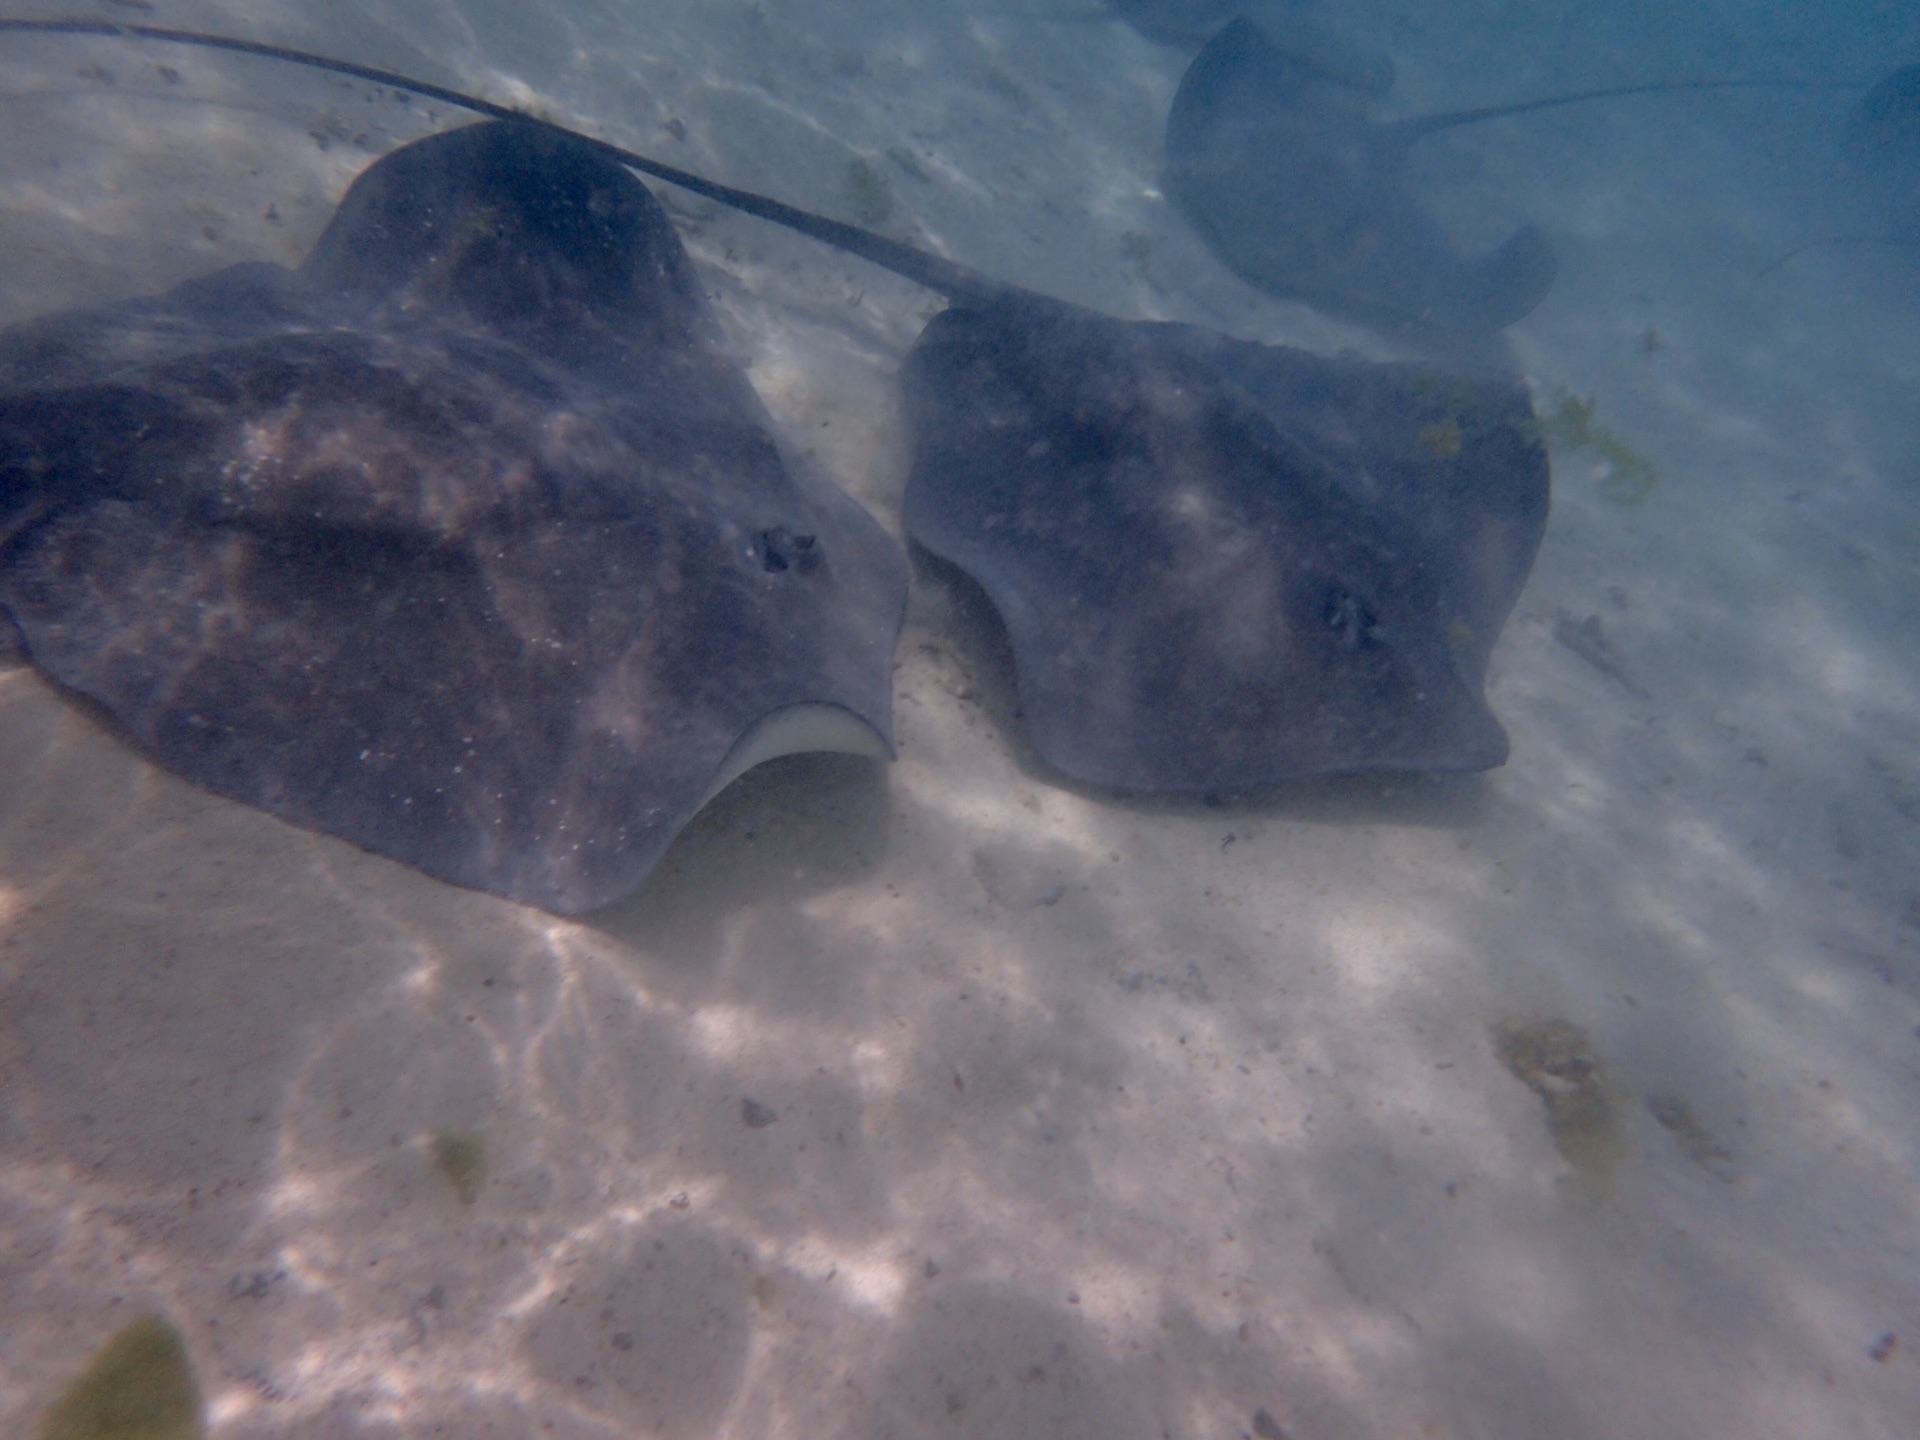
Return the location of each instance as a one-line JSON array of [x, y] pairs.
[[1883, 127], [1221, 564], [1301, 192], [1280, 165], [1879, 155], [1881, 148], [1179, 22], [466, 541]]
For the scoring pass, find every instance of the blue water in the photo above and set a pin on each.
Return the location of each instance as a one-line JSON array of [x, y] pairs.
[[949, 1099]]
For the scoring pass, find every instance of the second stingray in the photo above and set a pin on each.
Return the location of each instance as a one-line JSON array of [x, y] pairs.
[[1223, 564]]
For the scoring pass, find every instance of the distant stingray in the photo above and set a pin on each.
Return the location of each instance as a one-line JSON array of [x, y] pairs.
[[1181, 21], [1221, 564], [1882, 149], [1879, 155], [1284, 171], [1301, 192], [1884, 127], [1288, 23], [466, 541]]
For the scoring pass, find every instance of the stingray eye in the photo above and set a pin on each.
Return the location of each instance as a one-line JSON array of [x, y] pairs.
[[781, 549], [1350, 618]]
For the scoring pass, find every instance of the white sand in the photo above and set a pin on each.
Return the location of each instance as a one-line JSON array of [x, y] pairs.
[[1094, 1118]]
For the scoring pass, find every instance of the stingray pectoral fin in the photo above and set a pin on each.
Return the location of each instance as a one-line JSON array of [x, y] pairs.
[[798, 730], [1514, 279]]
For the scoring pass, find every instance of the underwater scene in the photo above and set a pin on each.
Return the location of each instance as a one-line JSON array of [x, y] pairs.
[[1130, 719]]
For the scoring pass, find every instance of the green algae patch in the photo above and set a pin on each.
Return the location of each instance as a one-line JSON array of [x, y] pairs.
[[460, 1159], [1586, 1116], [1455, 414], [1627, 477], [139, 1387], [1442, 439]]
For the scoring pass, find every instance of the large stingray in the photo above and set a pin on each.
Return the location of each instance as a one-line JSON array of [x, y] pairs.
[[466, 541], [1278, 161], [1221, 564]]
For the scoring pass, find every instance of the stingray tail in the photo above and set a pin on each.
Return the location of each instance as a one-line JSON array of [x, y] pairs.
[[1420, 126]]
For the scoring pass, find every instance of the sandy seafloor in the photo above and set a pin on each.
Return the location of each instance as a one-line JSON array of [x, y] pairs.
[[1095, 1117]]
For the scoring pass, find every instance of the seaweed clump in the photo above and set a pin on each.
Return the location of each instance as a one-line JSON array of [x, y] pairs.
[[139, 1386], [1556, 1060], [1443, 439], [1568, 427], [460, 1157]]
